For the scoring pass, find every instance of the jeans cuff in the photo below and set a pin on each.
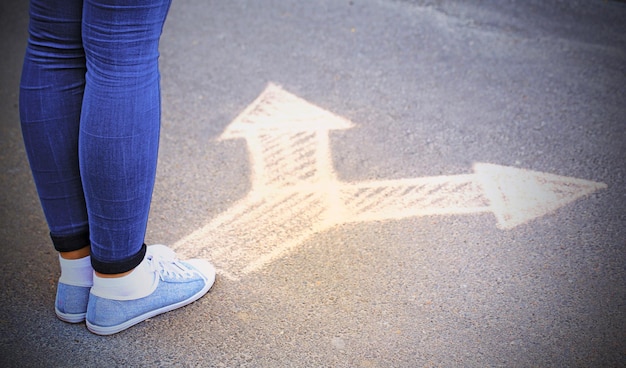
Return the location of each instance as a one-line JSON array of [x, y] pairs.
[[119, 266], [68, 243]]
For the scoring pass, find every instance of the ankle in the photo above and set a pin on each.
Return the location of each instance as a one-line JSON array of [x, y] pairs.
[[76, 254], [134, 284], [112, 275], [76, 272]]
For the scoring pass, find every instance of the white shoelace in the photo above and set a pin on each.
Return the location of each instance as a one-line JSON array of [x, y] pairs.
[[164, 262]]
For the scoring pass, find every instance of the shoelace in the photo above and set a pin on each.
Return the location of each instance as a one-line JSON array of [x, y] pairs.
[[166, 265]]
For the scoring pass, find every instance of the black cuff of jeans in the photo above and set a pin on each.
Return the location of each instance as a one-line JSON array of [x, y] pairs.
[[70, 243], [128, 264]]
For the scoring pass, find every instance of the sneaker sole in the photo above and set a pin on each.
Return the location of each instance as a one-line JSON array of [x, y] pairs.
[[110, 330], [70, 318]]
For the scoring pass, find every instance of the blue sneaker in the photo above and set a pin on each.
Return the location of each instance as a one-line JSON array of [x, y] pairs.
[[179, 283], [70, 304]]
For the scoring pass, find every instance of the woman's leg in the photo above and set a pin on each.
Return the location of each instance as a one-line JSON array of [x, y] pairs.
[[119, 131], [118, 154], [104, 126], [51, 94]]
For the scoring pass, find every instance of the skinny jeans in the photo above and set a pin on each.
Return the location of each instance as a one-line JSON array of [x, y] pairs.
[[90, 118]]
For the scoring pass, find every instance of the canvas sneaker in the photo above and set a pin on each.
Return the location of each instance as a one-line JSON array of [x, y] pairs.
[[179, 283], [70, 304]]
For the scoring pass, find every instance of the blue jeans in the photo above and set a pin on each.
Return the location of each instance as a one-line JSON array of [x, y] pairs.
[[90, 115]]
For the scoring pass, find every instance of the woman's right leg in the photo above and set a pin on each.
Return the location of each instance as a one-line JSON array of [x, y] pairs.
[[118, 143], [119, 129]]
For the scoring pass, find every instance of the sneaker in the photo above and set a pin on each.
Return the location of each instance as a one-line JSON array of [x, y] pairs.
[[70, 304], [179, 283]]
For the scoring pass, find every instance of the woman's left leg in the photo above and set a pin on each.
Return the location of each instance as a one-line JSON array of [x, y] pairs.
[[51, 94]]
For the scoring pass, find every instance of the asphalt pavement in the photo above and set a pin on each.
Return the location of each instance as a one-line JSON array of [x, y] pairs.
[[380, 183]]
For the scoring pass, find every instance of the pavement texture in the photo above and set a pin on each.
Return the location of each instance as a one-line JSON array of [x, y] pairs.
[[432, 87]]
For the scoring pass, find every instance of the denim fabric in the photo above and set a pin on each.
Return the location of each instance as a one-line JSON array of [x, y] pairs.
[[90, 112]]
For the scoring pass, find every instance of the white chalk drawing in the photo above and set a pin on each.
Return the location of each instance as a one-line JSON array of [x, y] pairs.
[[295, 191]]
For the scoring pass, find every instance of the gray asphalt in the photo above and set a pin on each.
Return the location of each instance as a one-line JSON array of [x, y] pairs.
[[432, 87]]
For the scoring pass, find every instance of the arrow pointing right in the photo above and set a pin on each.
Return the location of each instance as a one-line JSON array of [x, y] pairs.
[[515, 196]]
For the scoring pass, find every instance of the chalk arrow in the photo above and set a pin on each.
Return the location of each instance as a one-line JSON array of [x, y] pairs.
[[514, 196], [277, 112], [287, 139], [295, 191], [517, 196]]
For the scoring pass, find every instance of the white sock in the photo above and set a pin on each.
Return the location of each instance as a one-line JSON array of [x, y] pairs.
[[141, 282], [76, 272]]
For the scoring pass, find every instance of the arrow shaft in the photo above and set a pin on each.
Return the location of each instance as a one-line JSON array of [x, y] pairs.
[[285, 159], [256, 230], [394, 199]]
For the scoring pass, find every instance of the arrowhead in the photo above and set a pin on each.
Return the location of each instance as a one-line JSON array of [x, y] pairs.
[[278, 110], [517, 196]]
